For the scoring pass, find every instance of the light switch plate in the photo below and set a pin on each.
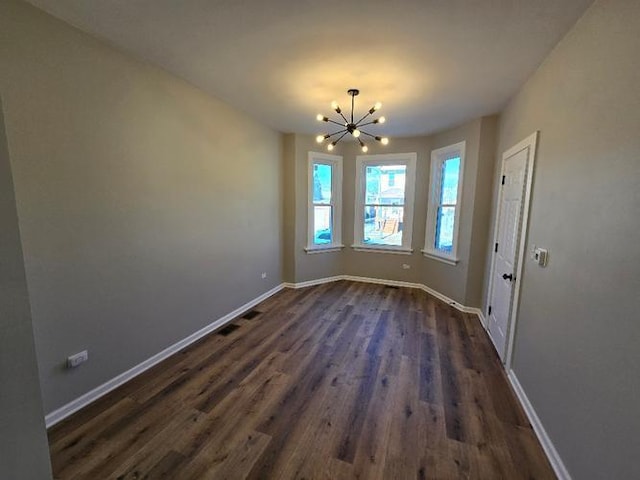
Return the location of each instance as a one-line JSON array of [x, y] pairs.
[[540, 256]]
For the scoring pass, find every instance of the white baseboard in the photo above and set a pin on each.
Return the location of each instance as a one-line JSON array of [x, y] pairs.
[[311, 283], [381, 281], [482, 318], [552, 454], [93, 395], [394, 283]]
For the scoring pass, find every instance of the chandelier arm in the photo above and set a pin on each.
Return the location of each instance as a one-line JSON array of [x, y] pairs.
[[365, 116], [336, 133], [333, 121], [341, 137], [365, 124], [343, 117], [368, 134]]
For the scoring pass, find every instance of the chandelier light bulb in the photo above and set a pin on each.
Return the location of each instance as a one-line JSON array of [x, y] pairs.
[[365, 149], [384, 141], [382, 120], [320, 138], [356, 133], [320, 117], [377, 106], [330, 146]]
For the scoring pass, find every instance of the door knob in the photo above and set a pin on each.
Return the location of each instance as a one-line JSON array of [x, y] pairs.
[[507, 277]]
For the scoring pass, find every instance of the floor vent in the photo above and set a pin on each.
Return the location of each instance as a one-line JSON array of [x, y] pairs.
[[251, 314], [228, 329]]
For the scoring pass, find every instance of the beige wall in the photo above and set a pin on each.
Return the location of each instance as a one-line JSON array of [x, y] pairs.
[[462, 282], [147, 208], [306, 266], [24, 452], [577, 351], [288, 207], [480, 240]]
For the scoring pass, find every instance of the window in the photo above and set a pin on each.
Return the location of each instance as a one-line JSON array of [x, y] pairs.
[[445, 193], [384, 202], [325, 203]]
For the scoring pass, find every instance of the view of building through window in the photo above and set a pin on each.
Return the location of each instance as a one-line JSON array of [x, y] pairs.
[[445, 220], [322, 208], [384, 204]]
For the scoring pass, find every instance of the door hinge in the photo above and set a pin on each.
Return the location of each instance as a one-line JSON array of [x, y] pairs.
[[496, 247], [503, 178], [489, 310]]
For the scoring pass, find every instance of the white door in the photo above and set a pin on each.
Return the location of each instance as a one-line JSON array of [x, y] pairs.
[[503, 273]]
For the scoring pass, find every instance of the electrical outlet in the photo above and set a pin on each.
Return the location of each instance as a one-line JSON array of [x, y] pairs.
[[264, 274], [406, 266], [74, 360]]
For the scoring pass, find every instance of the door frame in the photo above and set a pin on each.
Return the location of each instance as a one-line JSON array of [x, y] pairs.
[[528, 143]]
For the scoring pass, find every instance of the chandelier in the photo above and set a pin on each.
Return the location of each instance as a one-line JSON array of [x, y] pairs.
[[350, 126]]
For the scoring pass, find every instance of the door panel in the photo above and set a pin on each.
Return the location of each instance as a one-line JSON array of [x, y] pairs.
[[508, 235]]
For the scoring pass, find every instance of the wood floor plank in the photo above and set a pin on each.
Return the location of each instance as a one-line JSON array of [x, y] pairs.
[[344, 380], [167, 467], [154, 451], [403, 447]]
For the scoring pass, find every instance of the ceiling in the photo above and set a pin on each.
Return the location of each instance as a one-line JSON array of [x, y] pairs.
[[433, 63]]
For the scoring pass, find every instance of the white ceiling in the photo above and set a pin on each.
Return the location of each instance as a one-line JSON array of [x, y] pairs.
[[433, 63]]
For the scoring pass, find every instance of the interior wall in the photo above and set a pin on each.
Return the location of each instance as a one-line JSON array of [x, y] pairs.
[[145, 206], [448, 279], [481, 232], [576, 345], [387, 265], [24, 451], [318, 265], [289, 207]]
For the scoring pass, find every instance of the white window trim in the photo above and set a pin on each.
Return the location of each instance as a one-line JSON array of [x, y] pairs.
[[336, 201], [362, 161], [438, 157]]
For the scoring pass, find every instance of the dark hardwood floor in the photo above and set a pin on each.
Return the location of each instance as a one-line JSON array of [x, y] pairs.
[[339, 381]]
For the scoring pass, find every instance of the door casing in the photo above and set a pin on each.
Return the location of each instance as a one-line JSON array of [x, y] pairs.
[[528, 143]]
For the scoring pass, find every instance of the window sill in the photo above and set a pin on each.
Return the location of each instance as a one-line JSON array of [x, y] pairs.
[[323, 249], [383, 249], [440, 257]]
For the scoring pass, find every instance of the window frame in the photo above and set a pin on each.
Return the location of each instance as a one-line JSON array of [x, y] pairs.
[[438, 157], [364, 161], [335, 161]]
